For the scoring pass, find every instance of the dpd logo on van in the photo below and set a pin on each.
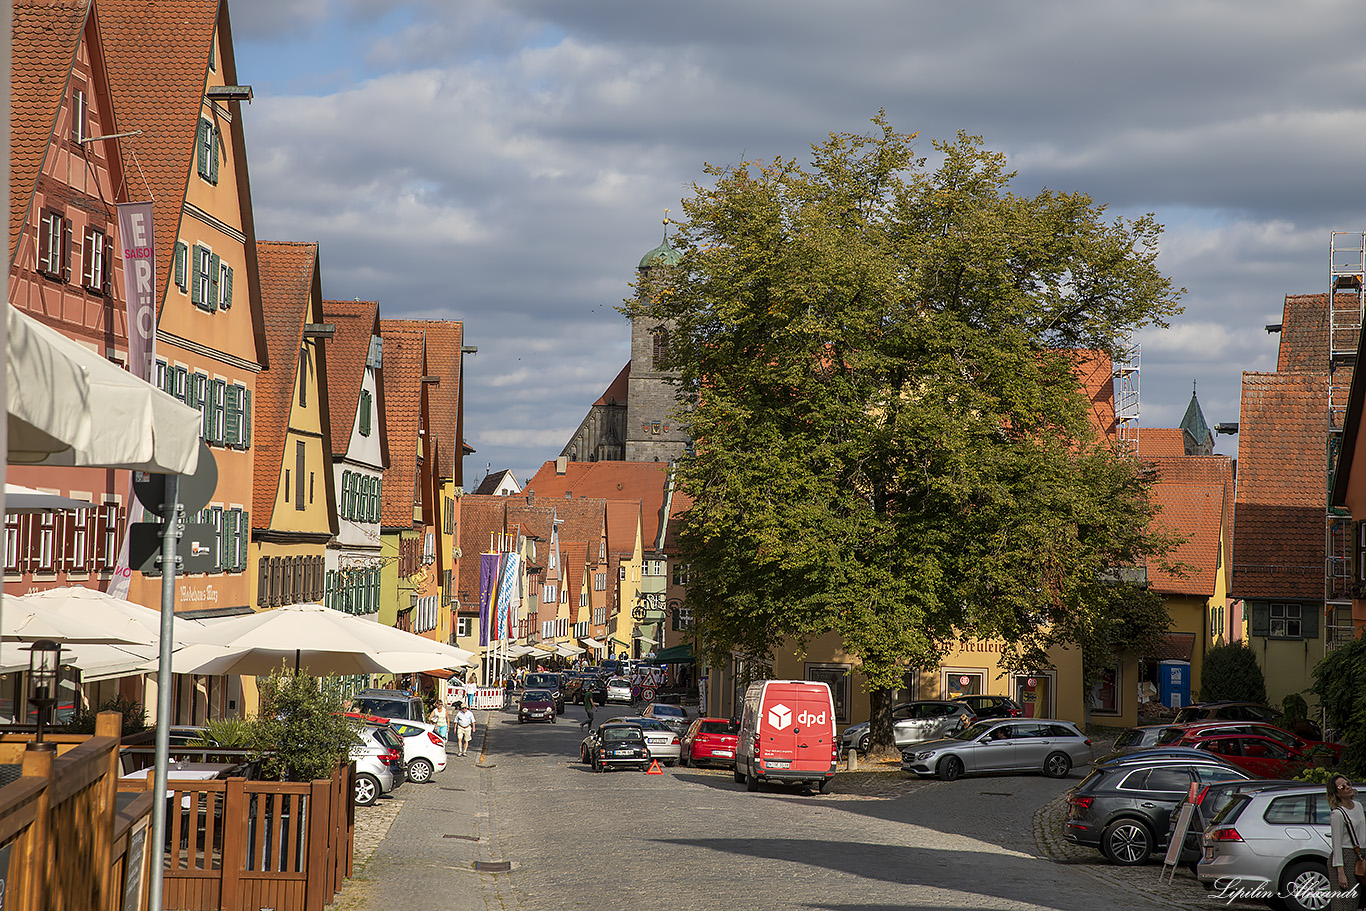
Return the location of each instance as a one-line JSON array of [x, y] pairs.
[[779, 716], [808, 718]]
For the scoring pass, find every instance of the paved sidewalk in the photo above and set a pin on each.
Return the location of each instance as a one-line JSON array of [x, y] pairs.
[[419, 850]]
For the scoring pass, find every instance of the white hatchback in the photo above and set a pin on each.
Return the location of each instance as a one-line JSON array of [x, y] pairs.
[[424, 751], [619, 690]]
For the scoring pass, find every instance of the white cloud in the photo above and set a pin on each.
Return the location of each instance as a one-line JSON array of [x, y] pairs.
[[506, 162]]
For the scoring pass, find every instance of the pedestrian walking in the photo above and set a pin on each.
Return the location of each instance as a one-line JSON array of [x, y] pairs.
[[587, 707], [439, 718], [471, 691], [1348, 825], [464, 728]]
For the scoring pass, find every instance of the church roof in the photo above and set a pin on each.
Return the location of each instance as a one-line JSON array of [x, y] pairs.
[[1194, 429], [663, 255]]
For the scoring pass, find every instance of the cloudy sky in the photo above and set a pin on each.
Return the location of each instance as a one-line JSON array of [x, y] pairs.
[[507, 163]]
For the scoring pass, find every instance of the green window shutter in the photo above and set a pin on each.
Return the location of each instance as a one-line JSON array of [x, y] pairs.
[[1259, 619], [215, 267], [202, 148], [1309, 621], [243, 536], [330, 592], [226, 290], [232, 416], [215, 152], [217, 397], [365, 413], [182, 252], [246, 418], [216, 520], [346, 495], [227, 541], [195, 267], [378, 499]]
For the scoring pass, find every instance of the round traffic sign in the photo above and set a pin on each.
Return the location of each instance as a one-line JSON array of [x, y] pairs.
[[964, 680]]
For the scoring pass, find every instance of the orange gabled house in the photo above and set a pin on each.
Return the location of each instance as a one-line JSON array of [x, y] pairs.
[[188, 155], [294, 515]]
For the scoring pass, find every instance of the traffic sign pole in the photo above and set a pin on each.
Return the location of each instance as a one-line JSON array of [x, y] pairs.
[[173, 518]]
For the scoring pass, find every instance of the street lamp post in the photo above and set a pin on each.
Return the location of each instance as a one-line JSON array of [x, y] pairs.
[[44, 675]]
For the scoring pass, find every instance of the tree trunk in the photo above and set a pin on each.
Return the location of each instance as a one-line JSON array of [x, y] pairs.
[[881, 745]]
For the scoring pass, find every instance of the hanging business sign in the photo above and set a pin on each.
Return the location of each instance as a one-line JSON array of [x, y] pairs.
[[139, 286]]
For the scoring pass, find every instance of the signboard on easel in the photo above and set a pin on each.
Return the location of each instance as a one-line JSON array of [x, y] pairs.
[[1183, 824]]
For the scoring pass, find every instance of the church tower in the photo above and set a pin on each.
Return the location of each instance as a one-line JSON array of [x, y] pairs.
[[652, 430]]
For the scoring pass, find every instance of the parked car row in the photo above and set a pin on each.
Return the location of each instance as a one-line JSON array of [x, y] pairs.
[[932, 719], [1001, 745], [393, 750]]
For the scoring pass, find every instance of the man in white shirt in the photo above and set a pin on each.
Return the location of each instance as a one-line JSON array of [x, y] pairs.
[[464, 729]]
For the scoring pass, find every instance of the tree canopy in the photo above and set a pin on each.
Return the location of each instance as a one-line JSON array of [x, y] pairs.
[[879, 366]]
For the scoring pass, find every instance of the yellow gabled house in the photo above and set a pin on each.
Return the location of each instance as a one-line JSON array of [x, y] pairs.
[[295, 514]]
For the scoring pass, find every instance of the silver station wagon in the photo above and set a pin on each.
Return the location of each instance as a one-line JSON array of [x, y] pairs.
[[1002, 745]]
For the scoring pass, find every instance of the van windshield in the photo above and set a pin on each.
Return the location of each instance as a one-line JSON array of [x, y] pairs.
[[543, 681]]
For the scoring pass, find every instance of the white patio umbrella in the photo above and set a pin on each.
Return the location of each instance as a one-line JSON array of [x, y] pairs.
[[73, 604], [314, 639], [69, 406], [25, 499]]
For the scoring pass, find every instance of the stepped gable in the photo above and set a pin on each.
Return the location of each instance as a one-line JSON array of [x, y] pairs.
[[347, 352], [46, 35], [1278, 534], [287, 275], [403, 350]]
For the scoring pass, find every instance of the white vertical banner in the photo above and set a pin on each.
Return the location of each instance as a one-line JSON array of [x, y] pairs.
[[139, 289]]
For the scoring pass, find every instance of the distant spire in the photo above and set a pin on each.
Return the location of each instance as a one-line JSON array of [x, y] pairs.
[[1195, 433]]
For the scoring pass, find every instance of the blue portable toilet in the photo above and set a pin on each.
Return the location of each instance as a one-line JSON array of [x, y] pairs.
[[1174, 683]]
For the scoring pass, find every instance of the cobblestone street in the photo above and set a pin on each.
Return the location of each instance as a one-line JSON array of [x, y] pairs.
[[525, 826]]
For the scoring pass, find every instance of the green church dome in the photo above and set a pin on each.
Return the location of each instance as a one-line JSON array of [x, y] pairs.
[[663, 255]]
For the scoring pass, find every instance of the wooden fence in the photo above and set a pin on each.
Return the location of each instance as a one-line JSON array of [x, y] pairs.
[[74, 837], [242, 845], [64, 841]]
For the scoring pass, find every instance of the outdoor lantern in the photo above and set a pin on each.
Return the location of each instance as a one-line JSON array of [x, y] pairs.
[[44, 673]]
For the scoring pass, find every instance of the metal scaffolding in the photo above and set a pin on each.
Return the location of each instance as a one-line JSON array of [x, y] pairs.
[[1126, 398], [1346, 304]]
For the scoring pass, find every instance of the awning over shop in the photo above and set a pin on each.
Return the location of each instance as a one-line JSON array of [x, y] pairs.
[[677, 654], [439, 674], [591, 642], [646, 639], [564, 649]]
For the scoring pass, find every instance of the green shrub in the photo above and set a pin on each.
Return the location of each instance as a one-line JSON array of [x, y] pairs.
[[1231, 673], [227, 733], [1340, 684], [83, 721], [1317, 774], [300, 732]]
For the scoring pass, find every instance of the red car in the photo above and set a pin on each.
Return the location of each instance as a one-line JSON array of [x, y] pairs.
[[709, 741], [1262, 756], [1186, 733]]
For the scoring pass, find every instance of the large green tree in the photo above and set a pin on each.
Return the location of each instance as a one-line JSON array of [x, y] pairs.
[[879, 367]]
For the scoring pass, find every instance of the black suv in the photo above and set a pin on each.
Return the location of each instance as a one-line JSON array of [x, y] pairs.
[[985, 707], [1123, 808], [552, 682]]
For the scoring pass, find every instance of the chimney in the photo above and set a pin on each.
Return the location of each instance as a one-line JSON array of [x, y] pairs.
[[561, 465]]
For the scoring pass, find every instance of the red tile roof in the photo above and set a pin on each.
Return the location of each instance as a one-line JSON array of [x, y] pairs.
[[624, 519], [403, 357], [641, 481], [444, 339], [1304, 333], [347, 351], [480, 519], [1160, 442], [1190, 492], [158, 57], [615, 393], [1278, 535], [1095, 372], [288, 276], [45, 38]]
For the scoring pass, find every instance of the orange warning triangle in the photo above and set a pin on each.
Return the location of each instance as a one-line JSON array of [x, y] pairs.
[[654, 769]]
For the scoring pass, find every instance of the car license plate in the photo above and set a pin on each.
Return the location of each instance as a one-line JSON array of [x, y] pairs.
[[623, 752], [729, 754], [779, 764]]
